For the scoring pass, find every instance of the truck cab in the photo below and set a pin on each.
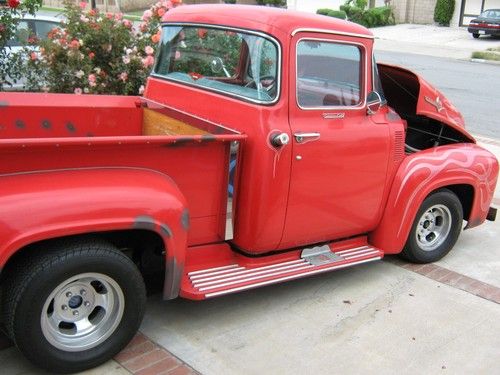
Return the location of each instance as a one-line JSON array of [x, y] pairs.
[[268, 146]]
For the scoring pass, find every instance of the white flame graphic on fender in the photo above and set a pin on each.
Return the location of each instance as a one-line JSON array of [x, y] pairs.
[[471, 160]]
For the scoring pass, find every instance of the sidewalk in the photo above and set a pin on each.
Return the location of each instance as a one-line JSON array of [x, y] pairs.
[[449, 42]]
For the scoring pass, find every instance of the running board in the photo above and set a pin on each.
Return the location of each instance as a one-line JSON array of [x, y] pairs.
[[231, 278]]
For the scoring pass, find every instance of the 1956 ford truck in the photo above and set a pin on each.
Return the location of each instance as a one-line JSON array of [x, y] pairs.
[[268, 146]]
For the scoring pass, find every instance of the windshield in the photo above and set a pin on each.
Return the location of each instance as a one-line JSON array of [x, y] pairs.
[[232, 62], [492, 13]]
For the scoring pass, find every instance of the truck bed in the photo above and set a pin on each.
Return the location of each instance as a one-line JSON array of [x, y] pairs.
[[58, 131]]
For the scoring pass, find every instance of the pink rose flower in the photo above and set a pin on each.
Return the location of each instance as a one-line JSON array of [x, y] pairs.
[[78, 91], [148, 61], [146, 16], [92, 80], [141, 90], [149, 50], [123, 76]]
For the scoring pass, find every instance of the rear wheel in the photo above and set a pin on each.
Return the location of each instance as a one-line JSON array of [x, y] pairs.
[[475, 35], [436, 228], [74, 305]]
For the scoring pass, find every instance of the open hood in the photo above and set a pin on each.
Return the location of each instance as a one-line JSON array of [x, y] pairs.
[[410, 95]]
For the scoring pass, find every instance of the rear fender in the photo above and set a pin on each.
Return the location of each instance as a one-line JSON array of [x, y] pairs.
[[424, 172], [50, 204]]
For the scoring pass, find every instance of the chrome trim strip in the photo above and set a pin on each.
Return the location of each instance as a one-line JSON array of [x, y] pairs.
[[225, 93], [364, 67], [353, 249], [291, 277], [303, 267], [368, 249], [375, 252], [202, 278], [331, 32], [251, 275], [212, 269], [195, 277]]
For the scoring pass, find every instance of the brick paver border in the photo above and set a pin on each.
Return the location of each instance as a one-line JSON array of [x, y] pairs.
[[144, 357], [454, 279], [141, 357]]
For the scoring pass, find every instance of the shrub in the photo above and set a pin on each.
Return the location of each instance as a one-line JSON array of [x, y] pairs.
[[443, 12], [332, 13], [273, 3], [9, 18], [379, 16], [356, 12], [323, 11], [96, 53]]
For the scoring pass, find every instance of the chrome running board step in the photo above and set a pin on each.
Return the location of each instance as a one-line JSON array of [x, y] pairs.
[[232, 278]]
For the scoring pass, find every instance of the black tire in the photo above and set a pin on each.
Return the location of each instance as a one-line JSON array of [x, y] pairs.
[[475, 35], [67, 264], [442, 235]]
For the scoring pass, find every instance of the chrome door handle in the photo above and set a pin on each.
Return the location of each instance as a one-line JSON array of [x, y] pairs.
[[302, 137]]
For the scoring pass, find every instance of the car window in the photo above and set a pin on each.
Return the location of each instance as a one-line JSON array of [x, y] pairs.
[[377, 83], [237, 63], [42, 28], [22, 34], [328, 74]]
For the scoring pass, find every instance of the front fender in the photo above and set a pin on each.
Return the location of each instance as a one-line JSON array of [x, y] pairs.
[[426, 171], [49, 204]]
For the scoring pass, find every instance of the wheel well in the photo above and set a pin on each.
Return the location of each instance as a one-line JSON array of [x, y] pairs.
[[465, 194], [145, 248]]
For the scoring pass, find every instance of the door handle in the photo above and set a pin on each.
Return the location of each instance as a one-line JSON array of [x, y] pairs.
[[303, 137]]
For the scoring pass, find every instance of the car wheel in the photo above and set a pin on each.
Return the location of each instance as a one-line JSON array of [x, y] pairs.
[[475, 36], [73, 305], [435, 229]]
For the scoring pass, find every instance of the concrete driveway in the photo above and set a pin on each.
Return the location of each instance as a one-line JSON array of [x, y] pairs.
[[450, 42]]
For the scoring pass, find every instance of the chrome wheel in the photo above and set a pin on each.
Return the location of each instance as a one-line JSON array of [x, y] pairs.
[[433, 227], [82, 312]]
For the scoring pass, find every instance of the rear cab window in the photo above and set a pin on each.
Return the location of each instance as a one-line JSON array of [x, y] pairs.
[[232, 62]]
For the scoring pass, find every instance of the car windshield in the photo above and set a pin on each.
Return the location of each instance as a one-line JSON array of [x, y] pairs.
[[492, 13], [237, 63]]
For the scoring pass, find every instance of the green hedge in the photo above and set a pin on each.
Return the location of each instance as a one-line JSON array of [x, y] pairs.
[[274, 3], [373, 17], [332, 13], [443, 12]]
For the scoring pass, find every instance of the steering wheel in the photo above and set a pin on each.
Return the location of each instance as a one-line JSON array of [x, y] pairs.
[[269, 87]]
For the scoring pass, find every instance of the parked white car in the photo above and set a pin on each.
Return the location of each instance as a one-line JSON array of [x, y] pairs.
[[30, 26]]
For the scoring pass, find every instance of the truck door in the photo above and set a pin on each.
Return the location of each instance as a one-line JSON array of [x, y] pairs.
[[339, 154]]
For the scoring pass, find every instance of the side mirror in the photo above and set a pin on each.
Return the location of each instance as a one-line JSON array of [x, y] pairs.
[[373, 103]]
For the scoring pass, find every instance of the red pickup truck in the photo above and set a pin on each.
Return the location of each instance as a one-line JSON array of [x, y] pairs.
[[268, 146]]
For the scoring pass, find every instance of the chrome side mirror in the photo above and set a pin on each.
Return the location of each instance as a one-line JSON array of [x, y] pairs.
[[373, 103]]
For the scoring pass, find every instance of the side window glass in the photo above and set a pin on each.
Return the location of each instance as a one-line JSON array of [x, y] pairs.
[[44, 27], [377, 84], [21, 36], [328, 74]]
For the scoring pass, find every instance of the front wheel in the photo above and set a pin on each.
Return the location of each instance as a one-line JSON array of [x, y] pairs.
[[436, 228], [74, 305], [475, 35]]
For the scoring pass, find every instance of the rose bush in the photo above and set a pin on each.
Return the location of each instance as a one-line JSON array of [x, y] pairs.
[[96, 53], [10, 15]]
